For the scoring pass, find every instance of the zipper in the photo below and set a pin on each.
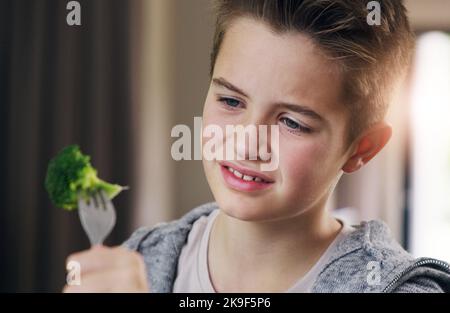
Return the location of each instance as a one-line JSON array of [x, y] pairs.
[[423, 261]]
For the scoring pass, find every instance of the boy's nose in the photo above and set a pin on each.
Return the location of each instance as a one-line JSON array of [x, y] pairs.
[[246, 151], [251, 141]]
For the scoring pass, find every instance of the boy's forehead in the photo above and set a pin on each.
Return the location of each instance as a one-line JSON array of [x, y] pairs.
[[270, 64]]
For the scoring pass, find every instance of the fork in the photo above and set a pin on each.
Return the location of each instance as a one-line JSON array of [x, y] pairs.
[[97, 216]]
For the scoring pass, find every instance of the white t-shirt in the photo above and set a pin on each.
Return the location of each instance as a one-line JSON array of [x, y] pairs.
[[193, 272]]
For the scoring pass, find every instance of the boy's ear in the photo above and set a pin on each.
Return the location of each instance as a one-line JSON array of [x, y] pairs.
[[368, 145]]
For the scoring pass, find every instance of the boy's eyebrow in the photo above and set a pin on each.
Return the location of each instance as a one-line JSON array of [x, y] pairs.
[[301, 109], [304, 110], [222, 82]]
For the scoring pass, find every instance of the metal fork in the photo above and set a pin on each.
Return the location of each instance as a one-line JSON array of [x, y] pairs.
[[97, 216]]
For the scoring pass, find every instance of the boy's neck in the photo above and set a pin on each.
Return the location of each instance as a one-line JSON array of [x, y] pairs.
[[254, 250]]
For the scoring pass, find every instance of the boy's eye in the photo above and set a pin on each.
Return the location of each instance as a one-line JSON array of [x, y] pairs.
[[230, 102], [293, 125]]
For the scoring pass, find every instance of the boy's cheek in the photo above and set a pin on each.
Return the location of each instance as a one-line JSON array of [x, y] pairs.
[[296, 158], [215, 118], [300, 169], [218, 118]]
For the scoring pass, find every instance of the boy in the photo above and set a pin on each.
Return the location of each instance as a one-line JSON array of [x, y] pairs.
[[324, 76]]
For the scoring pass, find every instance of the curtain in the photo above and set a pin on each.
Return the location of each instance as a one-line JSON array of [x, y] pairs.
[[60, 85]]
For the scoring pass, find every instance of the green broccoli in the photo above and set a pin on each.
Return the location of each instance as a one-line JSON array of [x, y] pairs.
[[70, 175]]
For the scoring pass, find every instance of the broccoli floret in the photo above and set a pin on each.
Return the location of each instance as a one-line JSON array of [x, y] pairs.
[[70, 175]]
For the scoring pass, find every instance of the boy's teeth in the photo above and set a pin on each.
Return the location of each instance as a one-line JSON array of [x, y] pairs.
[[238, 174], [244, 177], [248, 178]]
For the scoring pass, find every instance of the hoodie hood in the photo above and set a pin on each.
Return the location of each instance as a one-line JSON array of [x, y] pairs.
[[366, 260], [370, 260]]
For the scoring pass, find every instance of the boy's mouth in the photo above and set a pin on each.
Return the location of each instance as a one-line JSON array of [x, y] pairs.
[[244, 179]]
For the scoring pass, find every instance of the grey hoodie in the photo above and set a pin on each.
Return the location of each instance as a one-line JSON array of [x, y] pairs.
[[367, 260]]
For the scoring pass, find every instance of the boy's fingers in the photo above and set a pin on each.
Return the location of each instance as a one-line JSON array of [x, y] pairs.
[[101, 257], [113, 280], [91, 260], [101, 281]]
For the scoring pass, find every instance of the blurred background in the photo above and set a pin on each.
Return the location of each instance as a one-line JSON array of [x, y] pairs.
[[119, 82]]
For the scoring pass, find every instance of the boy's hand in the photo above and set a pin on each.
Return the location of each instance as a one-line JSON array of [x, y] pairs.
[[105, 269]]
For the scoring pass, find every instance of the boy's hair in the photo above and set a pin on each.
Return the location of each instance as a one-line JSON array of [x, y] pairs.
[[371, 57]]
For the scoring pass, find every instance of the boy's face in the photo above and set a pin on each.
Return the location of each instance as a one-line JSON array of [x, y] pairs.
[[272, 69]]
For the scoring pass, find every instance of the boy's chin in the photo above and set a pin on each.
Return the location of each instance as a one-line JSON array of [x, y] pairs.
[[251, 210]]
